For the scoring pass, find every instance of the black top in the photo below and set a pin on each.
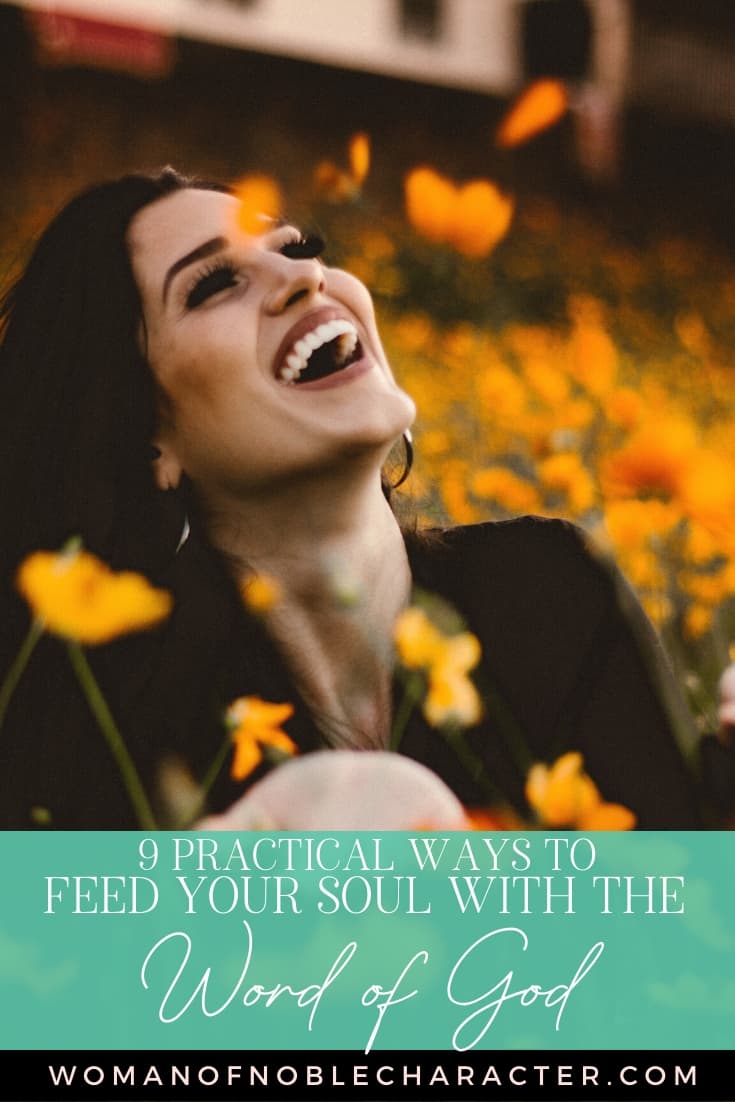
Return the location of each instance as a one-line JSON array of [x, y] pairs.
[[569, 662]]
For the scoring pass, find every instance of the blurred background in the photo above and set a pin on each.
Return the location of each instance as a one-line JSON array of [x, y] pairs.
[[539, 193]]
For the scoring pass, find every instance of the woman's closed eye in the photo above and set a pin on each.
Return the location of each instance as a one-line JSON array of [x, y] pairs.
[[223, 274], [210, 282]]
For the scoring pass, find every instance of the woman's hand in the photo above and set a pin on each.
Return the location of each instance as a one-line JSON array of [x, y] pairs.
[[726, 705], [345, 790]]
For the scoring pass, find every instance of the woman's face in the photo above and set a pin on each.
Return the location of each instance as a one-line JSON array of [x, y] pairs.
[[269, 366]]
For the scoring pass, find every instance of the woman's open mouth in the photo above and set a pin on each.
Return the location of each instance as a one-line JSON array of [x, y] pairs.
[[323, 350]]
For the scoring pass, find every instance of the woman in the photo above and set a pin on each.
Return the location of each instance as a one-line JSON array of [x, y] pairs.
[[163, 372]]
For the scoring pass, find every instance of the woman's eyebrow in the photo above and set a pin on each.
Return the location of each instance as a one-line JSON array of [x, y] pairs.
[[212, 246]]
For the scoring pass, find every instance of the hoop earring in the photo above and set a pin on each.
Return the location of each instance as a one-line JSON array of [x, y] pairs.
[[408, 460]]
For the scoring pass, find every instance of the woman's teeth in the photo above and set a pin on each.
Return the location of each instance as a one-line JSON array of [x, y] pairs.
[[340, 331]]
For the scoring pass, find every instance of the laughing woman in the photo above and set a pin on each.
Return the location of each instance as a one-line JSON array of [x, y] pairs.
[[204, 406]]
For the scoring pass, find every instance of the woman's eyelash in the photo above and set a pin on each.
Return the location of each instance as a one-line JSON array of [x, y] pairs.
[[210, 282], [307, 247], [223, 274]]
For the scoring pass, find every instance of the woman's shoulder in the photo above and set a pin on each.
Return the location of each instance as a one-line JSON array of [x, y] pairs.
[[534, 558], [530, 534]]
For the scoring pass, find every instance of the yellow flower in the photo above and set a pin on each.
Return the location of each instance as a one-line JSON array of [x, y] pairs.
[[562, 793], [446, 659], [654, 460], [256, 723], [594, 359], [452, 698], [693, 334], [701, 545], [707, 490], [435, 442], [565, 473], [260, 202], [76, 595], [454, 492], [631, 523], [658, 608], [624, 407], [538, 107], [507, 489], [548, 383], [260, 593], [645, 569], [414, 332], [709, 589], [502, 393], [697, 620], [418, 641]]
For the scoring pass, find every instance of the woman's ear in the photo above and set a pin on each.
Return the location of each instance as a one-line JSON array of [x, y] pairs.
[[167, 470]]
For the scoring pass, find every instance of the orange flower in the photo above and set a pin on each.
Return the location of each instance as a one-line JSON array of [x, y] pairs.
[[430, 200], [418, 641], [76, 595], [624, 407], [697, 620], [630, 523], [506, 488], [540, 106], [255, 723], [359, 152], [654, 460], [260, 202], [491, 818], [339, 186], [707, 490], [472, 218], [451, 697], [565, 473], [260, 593], [607, 817], [482, 217], [593, 358], [563, 795]]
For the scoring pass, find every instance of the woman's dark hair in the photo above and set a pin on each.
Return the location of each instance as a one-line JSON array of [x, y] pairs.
[[77, 400]]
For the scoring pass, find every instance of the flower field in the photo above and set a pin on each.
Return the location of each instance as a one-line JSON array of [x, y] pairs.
[[562, 369]]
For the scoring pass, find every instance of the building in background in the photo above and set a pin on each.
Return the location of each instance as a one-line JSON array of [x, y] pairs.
[[671, 59], [482, 45]]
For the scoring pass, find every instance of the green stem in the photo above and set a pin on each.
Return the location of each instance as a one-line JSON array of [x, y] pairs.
[[506, 725], [412, 690], [474, 765], [209, 778], [114, 739], [15, 672]]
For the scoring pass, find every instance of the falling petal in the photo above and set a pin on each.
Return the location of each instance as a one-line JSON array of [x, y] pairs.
[[260, 203], [540, 106], [359, 156], [430, 203], [481, 218]]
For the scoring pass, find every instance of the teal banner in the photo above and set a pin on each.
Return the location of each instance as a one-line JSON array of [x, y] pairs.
[[367, 942]]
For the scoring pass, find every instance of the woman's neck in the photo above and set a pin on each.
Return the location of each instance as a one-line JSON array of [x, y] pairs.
[[336, 555]]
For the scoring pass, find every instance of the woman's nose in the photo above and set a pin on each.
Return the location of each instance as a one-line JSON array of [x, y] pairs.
[[293, 280]]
